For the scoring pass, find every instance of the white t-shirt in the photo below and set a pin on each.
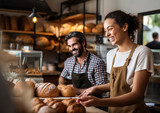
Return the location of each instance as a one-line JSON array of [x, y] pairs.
[[141, 59]]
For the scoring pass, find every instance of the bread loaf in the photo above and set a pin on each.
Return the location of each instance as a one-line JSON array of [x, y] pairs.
[[68, 102], [42, 41], [24, 39], [47, 90], [59, 107], [90, 25], [36, 101], [65, 28], [37, 107], [67, 91], [76, 108], [80, 28], [47, 109]]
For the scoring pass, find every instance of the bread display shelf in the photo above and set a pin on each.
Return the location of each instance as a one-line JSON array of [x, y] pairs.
[[27, 32], [76, 18]]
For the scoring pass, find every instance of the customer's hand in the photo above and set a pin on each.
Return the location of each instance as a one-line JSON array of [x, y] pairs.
[[89, 101]]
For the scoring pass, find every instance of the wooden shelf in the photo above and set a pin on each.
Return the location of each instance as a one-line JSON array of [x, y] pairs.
[[75, 18], [27, 32]]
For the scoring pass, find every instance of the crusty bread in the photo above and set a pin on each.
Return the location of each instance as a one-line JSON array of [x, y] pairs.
[[59, 107], [42, 41], [67, 91], [68, 102], [47, 109], [76, 108], [47, 90]]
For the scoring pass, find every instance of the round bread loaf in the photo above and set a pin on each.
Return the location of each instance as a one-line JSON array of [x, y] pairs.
[[97, 30], [90, 25], [25, 39], [67, 91], [47, 90], [47, 109], [37, 107], [42, 41], [65, 28], [31, 85], [76, 108], [59, 107], [19, 88], [80, 28]]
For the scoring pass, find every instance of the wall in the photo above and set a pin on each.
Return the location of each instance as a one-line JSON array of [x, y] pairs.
[[129, 6]]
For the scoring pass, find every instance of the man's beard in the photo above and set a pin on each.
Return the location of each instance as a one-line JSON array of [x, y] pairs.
[[80, 51]]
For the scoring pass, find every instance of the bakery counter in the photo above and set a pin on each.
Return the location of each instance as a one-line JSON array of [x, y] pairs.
[[94, 110], [46, 76]]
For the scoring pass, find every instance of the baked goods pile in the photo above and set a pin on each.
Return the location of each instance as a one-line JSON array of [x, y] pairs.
[[50, 105]]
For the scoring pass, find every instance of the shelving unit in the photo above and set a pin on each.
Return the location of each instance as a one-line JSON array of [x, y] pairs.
[[27, 32]]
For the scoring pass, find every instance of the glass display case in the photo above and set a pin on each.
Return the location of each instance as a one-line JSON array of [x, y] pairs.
[[29, 60], [154, 82]]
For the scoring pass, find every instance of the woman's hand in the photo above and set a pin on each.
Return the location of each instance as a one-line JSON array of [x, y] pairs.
[[89, 101], [89, 91]]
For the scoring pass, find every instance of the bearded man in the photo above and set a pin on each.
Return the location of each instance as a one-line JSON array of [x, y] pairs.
[[84, 69]]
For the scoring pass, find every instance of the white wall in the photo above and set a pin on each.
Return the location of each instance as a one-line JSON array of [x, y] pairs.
[[129, 6]]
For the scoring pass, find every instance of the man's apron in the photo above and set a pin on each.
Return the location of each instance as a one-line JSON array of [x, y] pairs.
[[119, 86], [81, 80]]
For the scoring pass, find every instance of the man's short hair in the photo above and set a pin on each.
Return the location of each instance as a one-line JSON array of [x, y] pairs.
[[80, 36], [154, 35]]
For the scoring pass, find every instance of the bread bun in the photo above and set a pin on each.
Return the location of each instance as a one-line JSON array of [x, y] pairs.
[[46, 109], [47, 90], [67, 91], [36, 101], [24, 39], [97, 30], [90, 25], [65, 28], [31, 85], [51, 103], [19, 88], [42, 41], [68, 102], [59, 107], [76, 108], [80, 28], [37, 107]]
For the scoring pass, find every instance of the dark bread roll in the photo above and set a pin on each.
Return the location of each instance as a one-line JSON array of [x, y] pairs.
[[59, 107], [76, 108], [90, 25], [47, 90], [47, 109], [67, 91]]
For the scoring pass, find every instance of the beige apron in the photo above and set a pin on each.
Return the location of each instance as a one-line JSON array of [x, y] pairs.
[[119, 86]]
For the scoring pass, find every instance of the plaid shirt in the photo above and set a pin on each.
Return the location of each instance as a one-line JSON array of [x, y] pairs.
[[96, 70]]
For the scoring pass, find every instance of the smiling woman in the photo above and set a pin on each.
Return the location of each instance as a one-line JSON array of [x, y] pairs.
[[128, 75]]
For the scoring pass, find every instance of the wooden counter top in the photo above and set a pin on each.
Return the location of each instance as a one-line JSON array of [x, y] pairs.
[[94, 110]]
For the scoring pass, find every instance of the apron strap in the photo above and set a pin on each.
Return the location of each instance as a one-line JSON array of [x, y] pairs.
[[130, 55]]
